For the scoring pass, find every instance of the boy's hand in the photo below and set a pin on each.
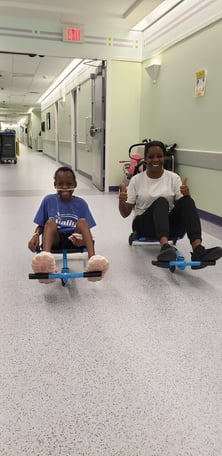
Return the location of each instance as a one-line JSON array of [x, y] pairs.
[[76, 239], [33, 244]]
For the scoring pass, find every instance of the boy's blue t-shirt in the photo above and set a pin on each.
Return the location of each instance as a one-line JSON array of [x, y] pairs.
[[64, 213]]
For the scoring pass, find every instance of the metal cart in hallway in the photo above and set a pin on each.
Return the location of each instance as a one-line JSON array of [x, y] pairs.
[[8, 146]]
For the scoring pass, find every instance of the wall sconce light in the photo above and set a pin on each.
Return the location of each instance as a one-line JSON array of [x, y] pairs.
[[153, 71]]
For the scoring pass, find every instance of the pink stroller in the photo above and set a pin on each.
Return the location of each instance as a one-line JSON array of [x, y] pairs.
[[135, 164]]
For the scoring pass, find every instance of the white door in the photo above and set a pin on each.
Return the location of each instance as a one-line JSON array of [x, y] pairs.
[[97, 128]]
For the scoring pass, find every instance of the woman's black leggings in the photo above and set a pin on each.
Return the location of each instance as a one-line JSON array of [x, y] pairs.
[[157, 221]]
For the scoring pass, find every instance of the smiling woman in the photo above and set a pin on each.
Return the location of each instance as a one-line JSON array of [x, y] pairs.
[[164, 209]]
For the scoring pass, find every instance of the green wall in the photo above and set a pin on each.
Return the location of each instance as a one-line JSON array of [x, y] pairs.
[[169, 107], [206, 187], [84, 146], [123, 120], [171, 112], [49, 136], [64, 130]]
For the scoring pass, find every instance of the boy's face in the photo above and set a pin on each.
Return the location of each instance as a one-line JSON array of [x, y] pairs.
[[65, 183]]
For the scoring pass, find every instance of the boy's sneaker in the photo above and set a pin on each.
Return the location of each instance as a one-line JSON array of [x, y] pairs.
[[205, 255], [167, 253], [44, 262], [97, 263]]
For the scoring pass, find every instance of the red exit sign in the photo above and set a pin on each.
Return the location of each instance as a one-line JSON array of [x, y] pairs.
[[73, 34]]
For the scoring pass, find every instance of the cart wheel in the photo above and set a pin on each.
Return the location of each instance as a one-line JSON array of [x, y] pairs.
[[172, 268], [63, 282], [132, 238]]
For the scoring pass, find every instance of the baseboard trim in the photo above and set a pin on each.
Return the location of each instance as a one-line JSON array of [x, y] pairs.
[[114, 188], [216, 219]]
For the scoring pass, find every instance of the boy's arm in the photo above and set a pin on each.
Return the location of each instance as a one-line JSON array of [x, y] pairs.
[[38, 231]]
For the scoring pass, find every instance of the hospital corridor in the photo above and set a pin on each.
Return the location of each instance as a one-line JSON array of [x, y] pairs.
[[127, 366]]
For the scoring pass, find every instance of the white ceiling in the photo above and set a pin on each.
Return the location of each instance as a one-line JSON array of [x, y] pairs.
[[23, 79], [123, 14]]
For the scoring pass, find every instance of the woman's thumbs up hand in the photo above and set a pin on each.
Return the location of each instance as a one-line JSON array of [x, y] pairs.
[[184, 187], [122, 192]]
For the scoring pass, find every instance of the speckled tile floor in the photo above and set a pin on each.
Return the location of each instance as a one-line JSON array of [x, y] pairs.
[[129, 366]]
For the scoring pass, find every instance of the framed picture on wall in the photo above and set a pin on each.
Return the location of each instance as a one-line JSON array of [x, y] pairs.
[[200, 83], [48, 121]]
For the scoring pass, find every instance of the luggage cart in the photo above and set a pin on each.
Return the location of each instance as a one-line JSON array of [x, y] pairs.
[[8, 146]]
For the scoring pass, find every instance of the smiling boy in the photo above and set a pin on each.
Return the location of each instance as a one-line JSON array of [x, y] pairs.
[[64, 221]]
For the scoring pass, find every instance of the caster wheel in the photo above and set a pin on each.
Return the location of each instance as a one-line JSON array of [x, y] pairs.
[[132, 238]]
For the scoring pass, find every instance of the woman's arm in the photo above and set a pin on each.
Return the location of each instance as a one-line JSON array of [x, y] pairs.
[[125, 208]]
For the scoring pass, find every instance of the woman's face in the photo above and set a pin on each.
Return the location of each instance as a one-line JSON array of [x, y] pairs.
[[155, 159], [65, 184]]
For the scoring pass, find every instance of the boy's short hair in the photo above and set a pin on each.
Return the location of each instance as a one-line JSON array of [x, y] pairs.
[[64, 169]]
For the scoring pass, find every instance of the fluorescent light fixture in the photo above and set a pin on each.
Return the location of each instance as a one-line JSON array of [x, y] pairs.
[[132, 8], [61, 78], [23, 121], [161, 10]]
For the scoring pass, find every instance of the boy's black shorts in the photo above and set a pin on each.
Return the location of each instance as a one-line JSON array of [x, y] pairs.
[[64, 242]]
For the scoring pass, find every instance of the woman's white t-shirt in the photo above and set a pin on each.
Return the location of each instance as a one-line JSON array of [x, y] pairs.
[[143, 191]]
